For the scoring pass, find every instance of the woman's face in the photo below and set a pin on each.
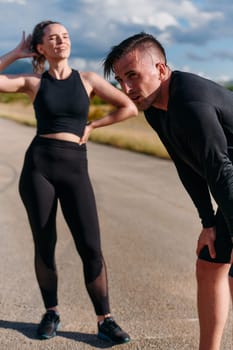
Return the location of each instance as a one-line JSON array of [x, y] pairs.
[[56, 42]]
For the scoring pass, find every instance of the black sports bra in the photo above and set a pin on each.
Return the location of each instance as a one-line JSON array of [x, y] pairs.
[[61, 105]]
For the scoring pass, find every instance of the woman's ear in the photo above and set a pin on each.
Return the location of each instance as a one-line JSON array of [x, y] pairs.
[[39, 48]]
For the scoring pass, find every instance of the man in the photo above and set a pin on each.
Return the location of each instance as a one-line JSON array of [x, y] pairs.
[[193, 117]]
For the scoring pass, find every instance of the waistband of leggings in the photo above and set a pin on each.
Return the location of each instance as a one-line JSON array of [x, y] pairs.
[[50, 142]]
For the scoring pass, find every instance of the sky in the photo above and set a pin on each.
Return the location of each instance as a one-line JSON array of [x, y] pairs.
[[196, 34]]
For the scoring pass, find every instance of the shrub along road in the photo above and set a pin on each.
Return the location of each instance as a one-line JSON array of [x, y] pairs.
[[149, 231]]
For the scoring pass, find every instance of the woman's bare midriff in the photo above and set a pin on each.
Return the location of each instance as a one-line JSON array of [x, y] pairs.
[[64, 136]]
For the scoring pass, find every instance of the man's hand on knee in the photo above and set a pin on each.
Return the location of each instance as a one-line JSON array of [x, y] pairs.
[[207, 238]]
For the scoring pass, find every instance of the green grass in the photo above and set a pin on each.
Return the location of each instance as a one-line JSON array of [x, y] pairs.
[[14, 97]]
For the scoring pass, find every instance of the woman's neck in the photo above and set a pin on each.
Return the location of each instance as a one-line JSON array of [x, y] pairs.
[[60, 71]]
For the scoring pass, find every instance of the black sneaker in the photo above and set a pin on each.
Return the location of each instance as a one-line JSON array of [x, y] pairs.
[[110, 331], [49, 325]]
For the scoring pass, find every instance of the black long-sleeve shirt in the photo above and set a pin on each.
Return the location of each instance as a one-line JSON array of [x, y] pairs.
[[197, 130]]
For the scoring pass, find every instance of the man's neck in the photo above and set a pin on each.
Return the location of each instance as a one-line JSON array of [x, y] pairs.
[[163, 96]]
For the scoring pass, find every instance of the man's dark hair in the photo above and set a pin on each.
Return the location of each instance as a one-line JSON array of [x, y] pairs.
[[128, 45]]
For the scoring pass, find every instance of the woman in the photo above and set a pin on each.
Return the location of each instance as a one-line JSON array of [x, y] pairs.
[[55, 166]]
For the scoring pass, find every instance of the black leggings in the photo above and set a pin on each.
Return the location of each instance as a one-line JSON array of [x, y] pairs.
[[57, 170]]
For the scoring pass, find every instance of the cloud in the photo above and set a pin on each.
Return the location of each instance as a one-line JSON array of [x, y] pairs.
[[19, 2], [172, 22], [223, 55], [195, 57], [190, 30]]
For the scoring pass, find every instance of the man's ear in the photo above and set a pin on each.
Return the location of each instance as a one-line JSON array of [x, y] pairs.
[[162, 67]]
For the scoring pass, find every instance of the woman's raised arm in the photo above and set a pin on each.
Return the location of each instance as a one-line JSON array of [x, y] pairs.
[[15, 82]]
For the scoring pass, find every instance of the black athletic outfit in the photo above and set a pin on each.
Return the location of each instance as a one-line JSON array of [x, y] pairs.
[[197, 130], [57, 170]]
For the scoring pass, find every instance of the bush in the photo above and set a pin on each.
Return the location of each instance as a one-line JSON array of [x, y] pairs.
[[98, 111], [14, 97], [96, 100]]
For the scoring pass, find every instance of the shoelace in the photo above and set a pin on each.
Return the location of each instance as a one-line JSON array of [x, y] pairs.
[[111, 324]]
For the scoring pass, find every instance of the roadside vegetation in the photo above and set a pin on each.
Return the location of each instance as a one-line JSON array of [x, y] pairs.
[[133, 134]]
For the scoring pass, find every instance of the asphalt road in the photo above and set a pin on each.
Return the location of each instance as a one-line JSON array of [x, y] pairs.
[[149, 230]]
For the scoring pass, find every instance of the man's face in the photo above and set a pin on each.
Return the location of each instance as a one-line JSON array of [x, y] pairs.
[[138, 74]]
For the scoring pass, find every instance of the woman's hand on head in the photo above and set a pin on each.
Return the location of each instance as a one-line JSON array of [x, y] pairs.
[[23, 49]]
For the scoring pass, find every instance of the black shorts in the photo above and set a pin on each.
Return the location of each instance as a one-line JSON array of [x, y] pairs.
[[223, 243]]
